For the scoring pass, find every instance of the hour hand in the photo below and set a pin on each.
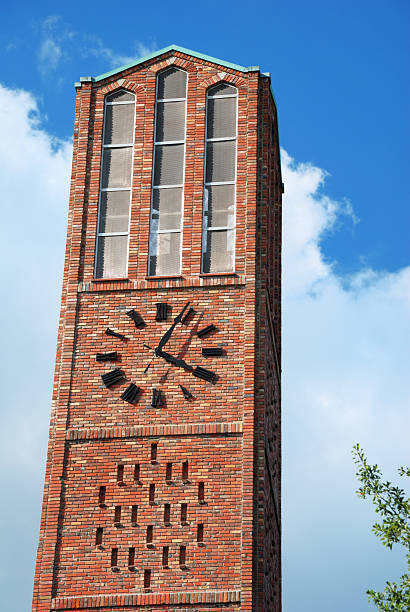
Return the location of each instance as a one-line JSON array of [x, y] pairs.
[[179, 363]]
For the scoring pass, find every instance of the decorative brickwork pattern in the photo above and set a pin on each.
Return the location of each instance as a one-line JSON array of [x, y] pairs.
[[175, 504], [144, 599]]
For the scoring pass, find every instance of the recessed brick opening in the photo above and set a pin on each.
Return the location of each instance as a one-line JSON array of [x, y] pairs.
[[114, 559], [99, 536], [131, 558], [200, 534], [165, 556], [184, 514], [134, 514], [137, 473], [167, 514], [117, 515], [201, 492], [147, 579], [182, 557], [150, 535], [120, 474], [101, 497]]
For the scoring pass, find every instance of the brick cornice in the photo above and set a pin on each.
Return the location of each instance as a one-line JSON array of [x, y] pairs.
[[162, 283], [203, 598], [184, 429]]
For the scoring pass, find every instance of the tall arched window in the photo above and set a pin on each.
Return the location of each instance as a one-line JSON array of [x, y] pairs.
[[218, 227], [115, 186], [165, 239]]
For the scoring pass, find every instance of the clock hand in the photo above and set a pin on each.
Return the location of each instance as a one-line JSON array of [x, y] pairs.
[[168, 333], [198, 371], [179, 363]]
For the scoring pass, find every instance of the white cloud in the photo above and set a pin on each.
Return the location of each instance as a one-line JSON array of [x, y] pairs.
[[59, 42], [49, 56], [54, 35], [34, 178], [34, 168], [346, 379], [345, 370], [94, 46]]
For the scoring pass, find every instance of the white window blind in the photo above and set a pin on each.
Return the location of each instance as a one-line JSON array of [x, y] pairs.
[[111, 259], [165, 239], [218, 226]]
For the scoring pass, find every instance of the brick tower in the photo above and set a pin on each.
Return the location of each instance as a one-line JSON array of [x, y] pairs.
[[162, 486]]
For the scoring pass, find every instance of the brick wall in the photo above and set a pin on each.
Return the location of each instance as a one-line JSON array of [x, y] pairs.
[[270, 344], [229, 432]]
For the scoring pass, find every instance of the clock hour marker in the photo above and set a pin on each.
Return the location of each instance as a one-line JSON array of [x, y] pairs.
[[114, 334], [206, 330], [204, 374], [190, 312], [214, 351], [187, 394], [113, 377], [138, 320], [130, 393], [106, 356], [157, 399], [162, 311]]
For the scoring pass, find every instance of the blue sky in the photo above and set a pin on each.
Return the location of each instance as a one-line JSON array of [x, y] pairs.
[[340, 77]]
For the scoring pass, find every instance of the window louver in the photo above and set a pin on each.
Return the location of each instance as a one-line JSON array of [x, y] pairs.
[[170, 124], [169, 164], [116, 168], [111, 256], [171, 84], [166, 208], [119, 123], [115, 186], [221, 117], [114, 211], [218, 230], [220, 161], [168, 174]]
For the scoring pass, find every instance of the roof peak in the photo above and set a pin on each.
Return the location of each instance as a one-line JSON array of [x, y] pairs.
[[167, 49]]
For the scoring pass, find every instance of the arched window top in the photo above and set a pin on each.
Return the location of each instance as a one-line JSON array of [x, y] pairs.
[[222, 89], [121, 95], [171, 84]]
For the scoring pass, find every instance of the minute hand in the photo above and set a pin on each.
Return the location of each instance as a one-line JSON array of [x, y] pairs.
[[168, 333]]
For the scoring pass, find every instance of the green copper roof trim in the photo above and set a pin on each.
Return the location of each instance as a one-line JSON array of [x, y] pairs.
[[207, 58]]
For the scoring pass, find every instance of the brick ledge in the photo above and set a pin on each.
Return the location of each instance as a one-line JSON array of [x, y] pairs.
[[142, 431], [143, 599], [158, 283]]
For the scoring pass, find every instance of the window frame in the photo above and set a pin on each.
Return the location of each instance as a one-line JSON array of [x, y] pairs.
[[103, 190], [205, 227], [152, 236]]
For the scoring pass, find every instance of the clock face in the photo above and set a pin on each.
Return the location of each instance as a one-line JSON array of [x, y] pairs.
[[165, 355]]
